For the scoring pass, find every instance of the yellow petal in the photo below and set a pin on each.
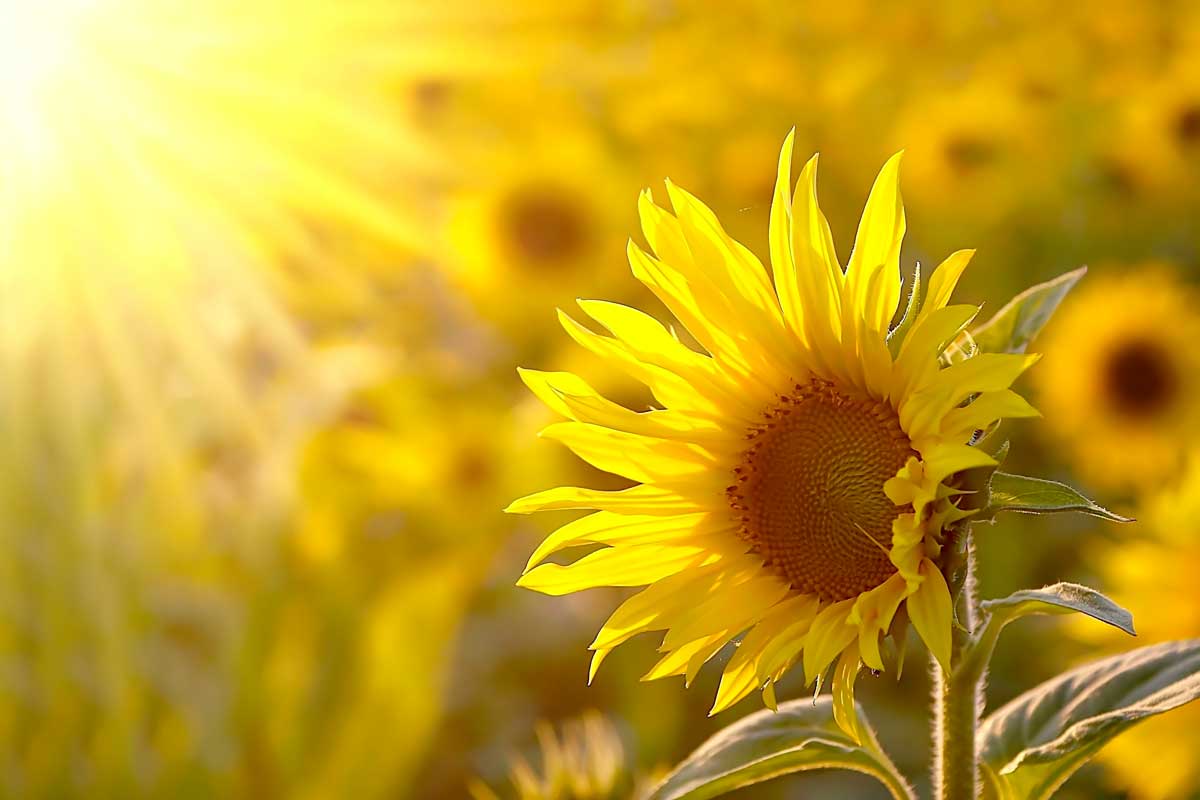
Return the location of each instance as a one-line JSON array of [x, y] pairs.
[[604, 527], [990, 407], [844, 712], [687, 658], [732, 608], [921, 413], [639, 458], [877, 248], [736, 272], [873, 613], [828, 636], [634, 565], [929, 608], [818, 273], [917, 362], [745, 670], [944, 279], [640, 499], [779, 237], [655, 608]]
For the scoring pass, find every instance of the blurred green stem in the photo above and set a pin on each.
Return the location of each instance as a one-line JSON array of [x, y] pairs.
[[958, 695]]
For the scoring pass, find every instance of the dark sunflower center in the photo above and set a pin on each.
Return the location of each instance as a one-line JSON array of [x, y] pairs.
[[1187, 125], [545, 225], [967, 153], [809, 490], [1140, 379]]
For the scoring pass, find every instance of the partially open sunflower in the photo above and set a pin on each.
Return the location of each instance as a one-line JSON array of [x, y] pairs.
[[798, 483]]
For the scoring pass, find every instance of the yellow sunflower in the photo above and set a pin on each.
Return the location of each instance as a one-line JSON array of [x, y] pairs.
[[1156, 575], [1119, 383], [797, 483], [541, 221]]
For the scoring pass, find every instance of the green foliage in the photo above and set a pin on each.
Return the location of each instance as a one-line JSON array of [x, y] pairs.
[[1019, 322], [1040, 496], [1061, 598], [1032, 745], [801, 735]]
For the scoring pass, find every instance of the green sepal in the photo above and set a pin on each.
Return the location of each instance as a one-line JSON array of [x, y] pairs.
[[895, 337], [1060, 598], [1021, 493], [1013, 327]]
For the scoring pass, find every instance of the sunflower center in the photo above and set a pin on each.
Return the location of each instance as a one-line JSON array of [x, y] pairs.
[[967, 153], [810, 494], [1187, 125], [545, 225], [1139, 379]]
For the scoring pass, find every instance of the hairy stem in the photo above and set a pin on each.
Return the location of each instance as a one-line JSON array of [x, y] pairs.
[[958, 696]]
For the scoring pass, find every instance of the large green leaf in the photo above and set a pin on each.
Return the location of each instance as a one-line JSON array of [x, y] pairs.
[[1040, 496], [801, 735], [1032, 745], [1018, 323], [1061, 598]]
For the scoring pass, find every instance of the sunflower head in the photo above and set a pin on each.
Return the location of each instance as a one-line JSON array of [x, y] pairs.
[[1121, 393], [797, 482]]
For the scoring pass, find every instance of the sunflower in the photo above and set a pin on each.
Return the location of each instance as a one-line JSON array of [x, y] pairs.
[[1119, 383], [585, 761], [542, 219], [1156, 574], [797, 483]]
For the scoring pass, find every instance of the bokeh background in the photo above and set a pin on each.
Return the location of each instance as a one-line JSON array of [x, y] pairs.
[[267, 270]]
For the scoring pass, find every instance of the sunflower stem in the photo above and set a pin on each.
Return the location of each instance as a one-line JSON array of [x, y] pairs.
[[958, 695]]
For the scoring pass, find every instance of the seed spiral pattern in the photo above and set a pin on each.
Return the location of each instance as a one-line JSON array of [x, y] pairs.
[[809, 489]]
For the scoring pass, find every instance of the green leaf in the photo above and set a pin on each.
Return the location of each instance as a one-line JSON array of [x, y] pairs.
[[1018, 323], [896, 337], [1032, 745], [801, 735], [1040, 496], [1061, 598]]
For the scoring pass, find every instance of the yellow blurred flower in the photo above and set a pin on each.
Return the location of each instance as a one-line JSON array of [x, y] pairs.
[[584, 762], [409, 468], [535, 223], [1156, 139], [1154, 575], [977, 151], [1121, 376], [795, 485]]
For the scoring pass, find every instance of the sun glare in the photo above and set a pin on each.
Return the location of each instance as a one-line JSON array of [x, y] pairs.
[[162, 158]]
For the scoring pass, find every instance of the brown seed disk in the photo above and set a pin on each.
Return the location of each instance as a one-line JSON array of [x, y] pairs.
[[809, 490]]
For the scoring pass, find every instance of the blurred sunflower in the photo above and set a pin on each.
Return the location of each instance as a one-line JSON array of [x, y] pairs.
[[1156, 136], [585, 761], [797, 483], [537, 221], [1154, 574], [970, 149], [1119, 384], [403, 473]]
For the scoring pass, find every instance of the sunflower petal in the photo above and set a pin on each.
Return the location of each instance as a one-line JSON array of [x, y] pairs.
[[845, 714], [877, 248], [779, 237], [828, 636], [614, 566], [930, 610], [944, 280], [641, 499]]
